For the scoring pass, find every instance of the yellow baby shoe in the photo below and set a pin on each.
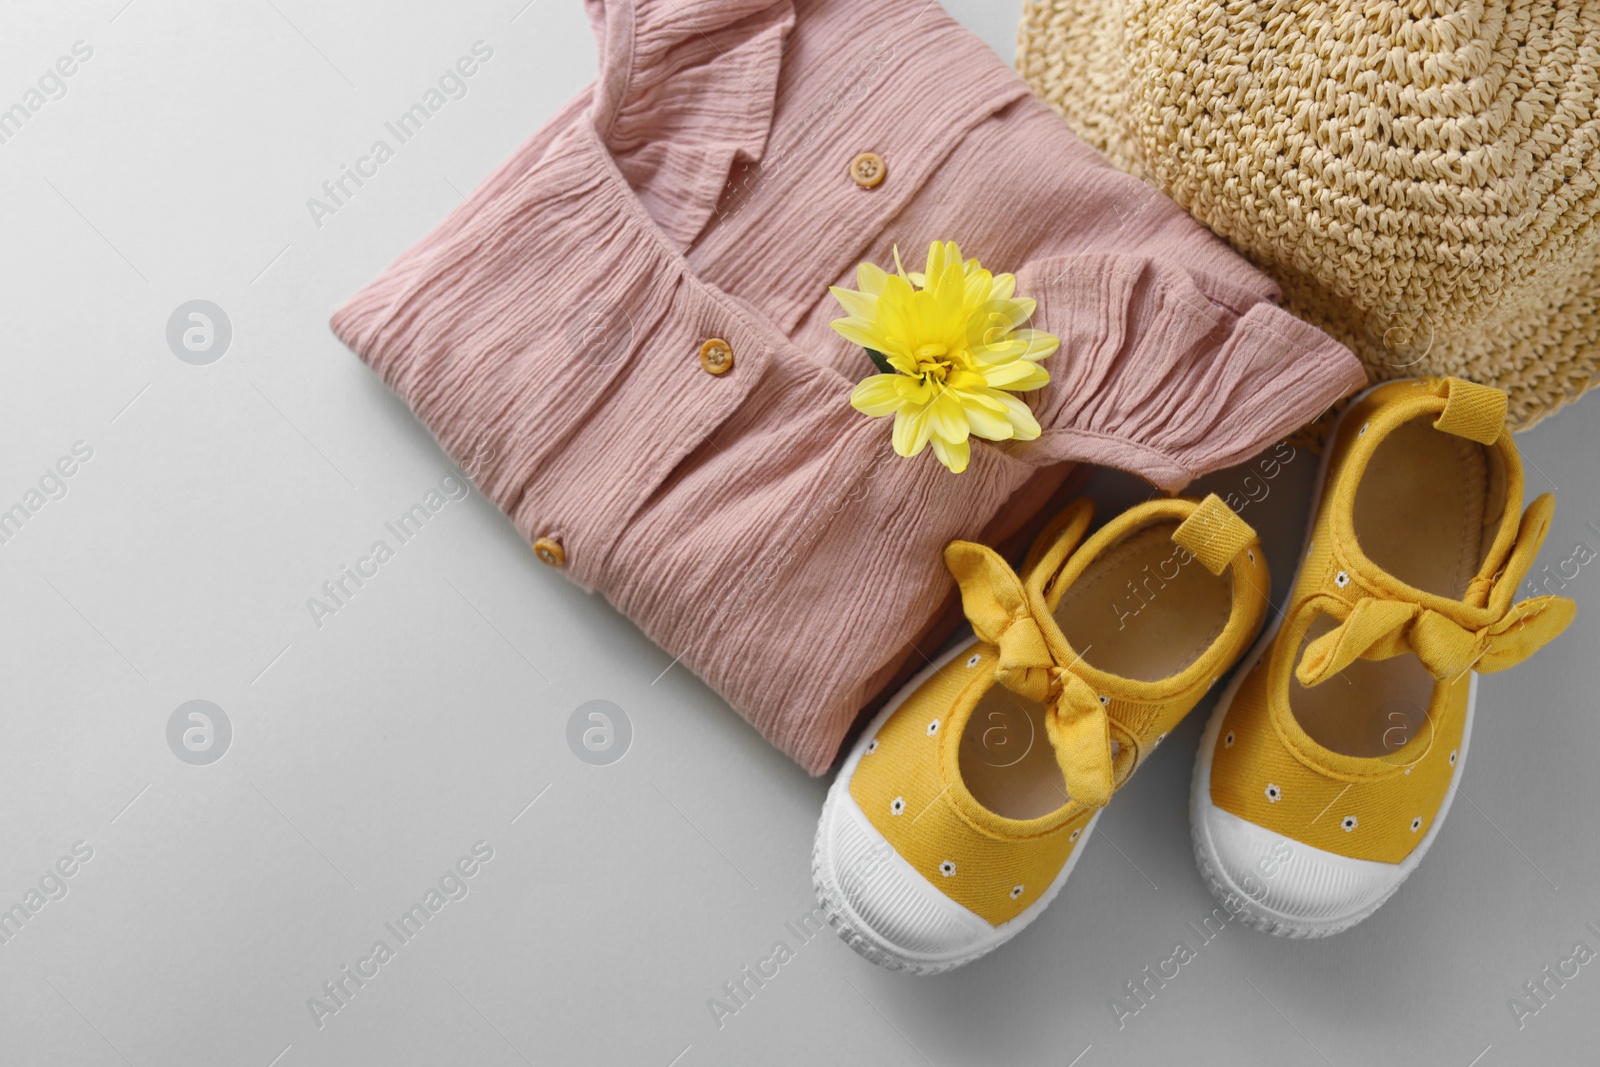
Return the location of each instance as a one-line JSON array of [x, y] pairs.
[[1331, 760], [966, 802]]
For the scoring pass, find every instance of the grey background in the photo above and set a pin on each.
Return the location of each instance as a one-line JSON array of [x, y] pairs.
[[431, 712]]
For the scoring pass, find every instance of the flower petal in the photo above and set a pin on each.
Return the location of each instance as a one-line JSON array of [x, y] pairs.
[[1010, 375], [979, 282], [861, 332], [856, 305], [879, 395], [987, 424], [910, 431], [953, 454], [1023, 425], [1041, 345], [870, 277], [946, 417]]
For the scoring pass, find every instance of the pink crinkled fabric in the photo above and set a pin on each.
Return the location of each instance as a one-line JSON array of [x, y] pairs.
[[753, 523]]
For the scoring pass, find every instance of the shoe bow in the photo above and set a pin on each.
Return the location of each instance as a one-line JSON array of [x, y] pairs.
[[1034, 661], [1377, 627]]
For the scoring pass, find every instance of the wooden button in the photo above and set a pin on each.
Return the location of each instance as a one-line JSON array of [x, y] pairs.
[[550, 552], [867, 170], [716, 356]]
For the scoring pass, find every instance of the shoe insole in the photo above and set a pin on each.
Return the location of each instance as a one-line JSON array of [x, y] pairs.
[[1422, 509], [1007, 760], [1425, 512], [1141, 612], [1137, 612]]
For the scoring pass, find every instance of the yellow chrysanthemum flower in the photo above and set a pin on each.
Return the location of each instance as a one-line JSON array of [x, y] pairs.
[[952, 335]]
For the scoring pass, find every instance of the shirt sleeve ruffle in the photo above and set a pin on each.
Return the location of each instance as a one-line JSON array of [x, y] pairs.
[[1157, 377], [686, 92]]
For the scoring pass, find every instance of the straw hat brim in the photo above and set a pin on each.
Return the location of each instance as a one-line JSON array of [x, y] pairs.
[[1480, 285]]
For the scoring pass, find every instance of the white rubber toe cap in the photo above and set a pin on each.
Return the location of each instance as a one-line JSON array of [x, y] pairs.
[[1300, 890], [886, 899]]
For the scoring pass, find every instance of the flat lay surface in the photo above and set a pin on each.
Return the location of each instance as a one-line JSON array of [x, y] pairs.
[[235, 766]]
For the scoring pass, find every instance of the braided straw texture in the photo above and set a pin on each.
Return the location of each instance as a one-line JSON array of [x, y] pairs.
[[1421, 178]]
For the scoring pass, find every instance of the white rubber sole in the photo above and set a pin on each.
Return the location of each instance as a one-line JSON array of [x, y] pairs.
[[841, 816], [1289, 872], [1304, 869]]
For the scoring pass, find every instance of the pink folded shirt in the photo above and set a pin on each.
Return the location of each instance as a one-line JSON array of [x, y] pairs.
[[751, 522]]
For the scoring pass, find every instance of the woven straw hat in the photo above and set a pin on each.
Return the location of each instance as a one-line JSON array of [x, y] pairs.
[[1421, 178]]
